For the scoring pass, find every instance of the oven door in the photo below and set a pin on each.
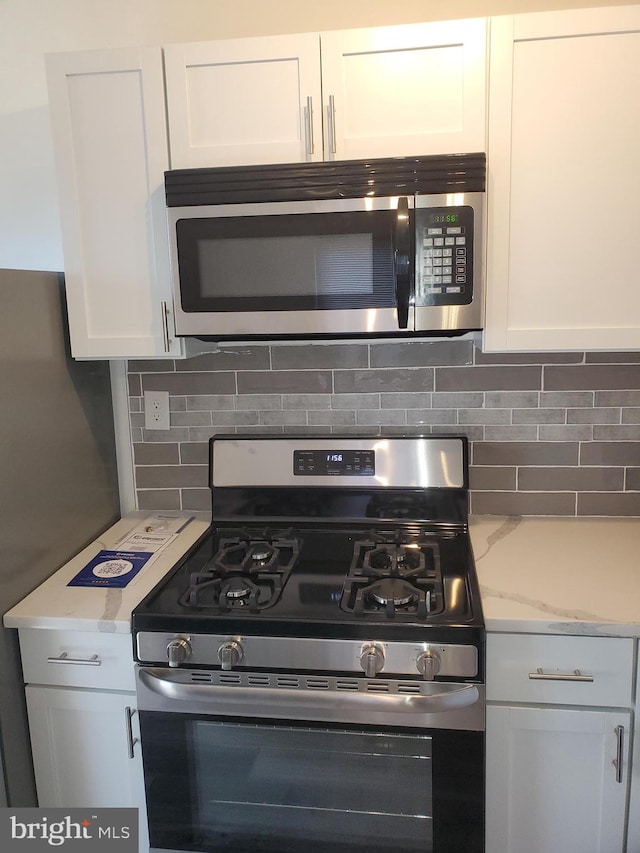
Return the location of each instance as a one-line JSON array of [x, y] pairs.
[[292, 268], [242, 769]]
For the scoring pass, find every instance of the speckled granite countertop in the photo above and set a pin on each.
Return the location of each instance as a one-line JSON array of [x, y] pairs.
[[559, 575]]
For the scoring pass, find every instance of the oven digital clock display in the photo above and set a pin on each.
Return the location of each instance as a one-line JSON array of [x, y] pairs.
[[334, 463]]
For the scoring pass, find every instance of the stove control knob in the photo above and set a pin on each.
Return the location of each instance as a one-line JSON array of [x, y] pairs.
[[371, 659], [178, 651], [428, 664], [230, 655]]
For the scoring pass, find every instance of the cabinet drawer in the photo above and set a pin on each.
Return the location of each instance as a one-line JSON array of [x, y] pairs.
[[548, 669], [67, 658]]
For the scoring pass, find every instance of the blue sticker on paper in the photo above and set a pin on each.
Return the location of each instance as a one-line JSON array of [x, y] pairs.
[[111, 569]]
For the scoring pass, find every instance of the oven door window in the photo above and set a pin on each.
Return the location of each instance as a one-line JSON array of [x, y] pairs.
[[232, 786], [287, 262]]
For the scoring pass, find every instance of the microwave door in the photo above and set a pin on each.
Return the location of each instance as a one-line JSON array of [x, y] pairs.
[[288, 269]]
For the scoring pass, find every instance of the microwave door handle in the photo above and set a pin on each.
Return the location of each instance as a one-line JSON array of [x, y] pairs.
[[402, 262]]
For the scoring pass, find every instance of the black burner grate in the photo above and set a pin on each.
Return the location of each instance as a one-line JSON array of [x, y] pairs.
[[248, 571], [393, 577]]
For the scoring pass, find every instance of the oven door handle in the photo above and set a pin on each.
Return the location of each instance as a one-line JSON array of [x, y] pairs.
[[444, 697]]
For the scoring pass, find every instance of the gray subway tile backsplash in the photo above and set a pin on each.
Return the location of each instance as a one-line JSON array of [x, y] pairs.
[[420, 354], [285, 382], [318, 356], [503, 378], [550, 433], [383, 380], [595, 377]]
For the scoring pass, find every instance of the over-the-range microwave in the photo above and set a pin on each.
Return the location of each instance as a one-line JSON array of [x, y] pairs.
[[387, 247]]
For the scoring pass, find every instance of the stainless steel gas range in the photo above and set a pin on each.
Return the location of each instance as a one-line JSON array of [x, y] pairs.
[[311, 674]]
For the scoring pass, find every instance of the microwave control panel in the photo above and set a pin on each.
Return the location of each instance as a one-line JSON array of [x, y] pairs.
[[444, 255]]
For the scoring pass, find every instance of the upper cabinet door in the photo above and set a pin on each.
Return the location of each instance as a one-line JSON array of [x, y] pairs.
[[406, 90], [244, 101], [564, 183], [109, 134]]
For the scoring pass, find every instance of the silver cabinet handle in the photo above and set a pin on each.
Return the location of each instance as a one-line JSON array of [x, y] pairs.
[[309, 122], [165, 327], [331, 119], [94, 660], [131, 740], [576, 675], [617, 761]]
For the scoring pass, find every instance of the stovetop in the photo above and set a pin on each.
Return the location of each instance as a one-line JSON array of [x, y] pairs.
[[337, 537], [317, 580]]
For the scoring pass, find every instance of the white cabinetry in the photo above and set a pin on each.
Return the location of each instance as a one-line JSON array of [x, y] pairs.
[[383, 92], [244, 101], [109, 130], [564, 135], [81, 704], [558, 733]]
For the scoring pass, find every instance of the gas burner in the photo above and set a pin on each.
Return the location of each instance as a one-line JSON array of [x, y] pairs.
[[394, 575], [392, 590], [248, 570], [394, 560], [237, 588], [261, 554]]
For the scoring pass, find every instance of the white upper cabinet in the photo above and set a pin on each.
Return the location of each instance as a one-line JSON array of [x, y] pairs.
[[244, 101], [109, 130], [383, 92], [564, 183], [402, 91]]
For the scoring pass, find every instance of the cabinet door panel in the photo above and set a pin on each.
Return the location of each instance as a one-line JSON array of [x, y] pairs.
[[244, 101], [107, 111], [551, 783], [563, 212], [409, 90], [81, 751]]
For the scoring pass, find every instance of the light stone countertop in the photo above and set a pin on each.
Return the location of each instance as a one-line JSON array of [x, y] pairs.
[[559, 575], [537, 575], [55, 605]]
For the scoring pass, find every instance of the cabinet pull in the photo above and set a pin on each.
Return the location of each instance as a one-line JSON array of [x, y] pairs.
[[131, 740], [94, 660], [617, 761], [576, 675], [165, 327], [309, 121], [331, 118]]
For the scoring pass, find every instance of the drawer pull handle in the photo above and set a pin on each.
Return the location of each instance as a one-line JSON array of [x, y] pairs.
[[94, 660], [576, 675]]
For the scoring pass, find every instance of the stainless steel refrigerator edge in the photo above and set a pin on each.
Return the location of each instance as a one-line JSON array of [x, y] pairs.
[[58, 478]]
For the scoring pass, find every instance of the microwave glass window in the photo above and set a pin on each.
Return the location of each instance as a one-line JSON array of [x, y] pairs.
[[318, 266], [289, 262]]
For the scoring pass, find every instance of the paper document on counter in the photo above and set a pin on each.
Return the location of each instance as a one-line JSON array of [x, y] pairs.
[[118, 567]]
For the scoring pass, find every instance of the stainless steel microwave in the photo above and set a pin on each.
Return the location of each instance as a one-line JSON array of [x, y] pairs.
[[390, 247]]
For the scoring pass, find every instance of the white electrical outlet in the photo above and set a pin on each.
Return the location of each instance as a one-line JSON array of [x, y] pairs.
[[156, 410]]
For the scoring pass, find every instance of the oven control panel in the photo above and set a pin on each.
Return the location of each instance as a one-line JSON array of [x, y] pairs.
[[370, 658], [334, 462]]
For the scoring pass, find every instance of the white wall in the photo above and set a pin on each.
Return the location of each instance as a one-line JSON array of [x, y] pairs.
[[29, 227]]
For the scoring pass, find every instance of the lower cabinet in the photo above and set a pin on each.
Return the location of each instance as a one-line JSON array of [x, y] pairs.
[[86, 750], [552, 781], [83, 723], [558, 743]]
